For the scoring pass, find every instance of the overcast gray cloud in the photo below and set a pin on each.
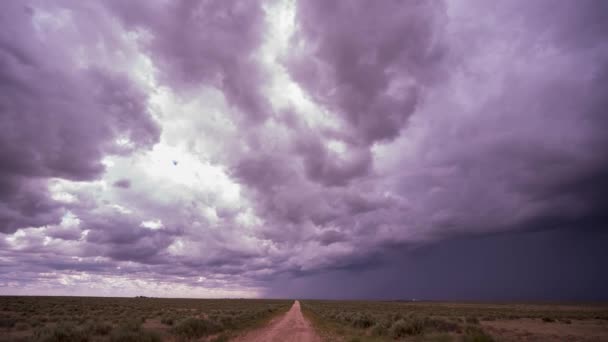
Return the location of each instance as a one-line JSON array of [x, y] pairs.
[[229, 148]]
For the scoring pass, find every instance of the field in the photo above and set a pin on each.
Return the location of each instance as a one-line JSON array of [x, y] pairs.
[[79, 319], [131, 319], [436, 321]]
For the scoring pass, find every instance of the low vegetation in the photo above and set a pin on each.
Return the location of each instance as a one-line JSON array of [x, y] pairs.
[[80, 319], [432, 321]]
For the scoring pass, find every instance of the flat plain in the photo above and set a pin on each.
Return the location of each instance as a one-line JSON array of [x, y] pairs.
[[456, 321], [81, 319], [132, 319]]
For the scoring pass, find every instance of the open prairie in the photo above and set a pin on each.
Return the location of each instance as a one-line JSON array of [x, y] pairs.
[[245, 320], [131, 319], [453, 321]]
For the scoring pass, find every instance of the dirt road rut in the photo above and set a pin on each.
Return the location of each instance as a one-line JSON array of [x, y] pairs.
[[290, 327]]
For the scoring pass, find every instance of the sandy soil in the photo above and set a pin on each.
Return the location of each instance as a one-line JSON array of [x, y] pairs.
[[290, 327]]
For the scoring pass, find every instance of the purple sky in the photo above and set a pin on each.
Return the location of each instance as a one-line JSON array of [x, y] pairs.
[[336, 149]]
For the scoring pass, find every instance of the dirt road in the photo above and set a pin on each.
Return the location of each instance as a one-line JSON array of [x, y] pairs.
[[290, 327]]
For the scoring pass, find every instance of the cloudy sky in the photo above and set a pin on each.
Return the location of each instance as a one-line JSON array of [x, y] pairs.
[[332, 149]]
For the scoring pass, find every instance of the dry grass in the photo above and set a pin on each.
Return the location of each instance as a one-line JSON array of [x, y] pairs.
[[435, 321], [130, 319]]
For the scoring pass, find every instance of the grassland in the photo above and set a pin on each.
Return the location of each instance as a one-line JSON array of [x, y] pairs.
[[435, 321], [82, 319]]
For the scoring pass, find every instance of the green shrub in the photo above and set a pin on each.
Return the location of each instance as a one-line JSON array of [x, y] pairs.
[[98, 328], [396, 317], [167, 320], [7, 322], [439, 338], [195, 328], [227, 321], [416, 327], [21, 326], [362, 321], [60, 333], [476, 334], [124, 335], [472, 320], [398, 329], [35, 322], [130, 324], [221, 338], [403, 328], [378, 330]]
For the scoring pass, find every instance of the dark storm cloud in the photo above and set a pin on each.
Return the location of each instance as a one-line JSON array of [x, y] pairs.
[[65, 233], [263, 171], [527, 157], [56, 119], [327, 168], [522, 151], [209, 42], [26, 203], [115, 228], [368, 64], [549, 265], [368, 61]]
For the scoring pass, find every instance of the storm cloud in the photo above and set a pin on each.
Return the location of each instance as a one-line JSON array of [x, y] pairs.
[[242, 148]]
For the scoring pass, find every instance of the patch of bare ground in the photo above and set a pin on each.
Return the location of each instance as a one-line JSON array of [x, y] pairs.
[[156, 326], [290, 327], [527, 329]]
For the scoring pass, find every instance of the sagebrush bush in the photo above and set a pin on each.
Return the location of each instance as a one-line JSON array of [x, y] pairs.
[[476, 334], [167, 320], [35, 322], [472, 320], [195, 328], [378, 330], [133, 324], [362, 321], [98, 328], [403, 328], [7, 322], [125, 335], [227, 321], [60, 333], [221, 338], [21, 326]]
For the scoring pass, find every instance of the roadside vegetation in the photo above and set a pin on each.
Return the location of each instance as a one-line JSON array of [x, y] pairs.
[[81, 319], [434, 321]]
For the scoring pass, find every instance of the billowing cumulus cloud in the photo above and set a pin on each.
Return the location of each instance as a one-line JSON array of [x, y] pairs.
[[61, 114], [368, 62], [231, 148], [220, 54]]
